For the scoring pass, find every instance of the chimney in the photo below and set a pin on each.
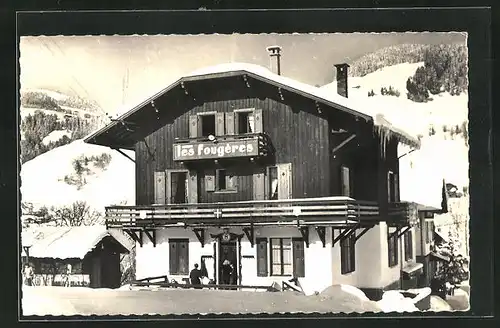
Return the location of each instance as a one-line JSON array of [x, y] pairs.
[[275, 56], [342, 72]]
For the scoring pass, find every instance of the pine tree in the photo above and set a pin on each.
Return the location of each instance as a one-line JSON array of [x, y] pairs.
[[456, 270]]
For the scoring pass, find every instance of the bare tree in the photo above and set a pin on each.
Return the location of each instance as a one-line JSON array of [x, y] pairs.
[[76, 214]]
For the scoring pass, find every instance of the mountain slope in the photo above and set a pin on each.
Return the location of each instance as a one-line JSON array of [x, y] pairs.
[[51, 179]]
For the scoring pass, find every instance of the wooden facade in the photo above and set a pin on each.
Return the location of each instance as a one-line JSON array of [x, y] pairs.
[[278, 167], [100, 268], [302, 137]]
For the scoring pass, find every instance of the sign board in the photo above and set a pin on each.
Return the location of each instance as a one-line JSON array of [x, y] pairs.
[[208, 150]]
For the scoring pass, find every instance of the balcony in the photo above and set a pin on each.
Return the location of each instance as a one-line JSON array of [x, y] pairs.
[[327, 211], [403, 214], [251, 145]]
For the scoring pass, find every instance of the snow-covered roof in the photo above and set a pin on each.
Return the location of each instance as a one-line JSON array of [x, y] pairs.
[[387, 119], [381, 115], [67, 242]]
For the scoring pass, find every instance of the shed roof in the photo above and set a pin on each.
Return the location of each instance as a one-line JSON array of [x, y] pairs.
[[115, 134], [67, 242]]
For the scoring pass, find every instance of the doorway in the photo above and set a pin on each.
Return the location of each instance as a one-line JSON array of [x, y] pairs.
[[228, 263]]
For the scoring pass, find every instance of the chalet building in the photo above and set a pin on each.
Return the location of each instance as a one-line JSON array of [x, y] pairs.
[[93, 252], [236, 162]]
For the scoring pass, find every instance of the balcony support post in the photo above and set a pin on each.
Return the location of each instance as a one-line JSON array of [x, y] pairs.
[[134, 236], [343, 143], [151, 233], [365, 230], [403, 231], [322, 234], [395, 233], [304, 231], [200, 234]]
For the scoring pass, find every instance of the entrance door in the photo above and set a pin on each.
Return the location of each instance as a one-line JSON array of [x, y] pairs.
[[228, 255]]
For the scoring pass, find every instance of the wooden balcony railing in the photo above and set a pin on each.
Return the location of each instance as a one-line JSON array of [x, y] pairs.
[[403, 213], [227, 146], [305, 211]]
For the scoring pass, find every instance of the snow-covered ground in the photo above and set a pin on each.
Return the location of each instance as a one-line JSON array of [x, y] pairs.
[[55, 136], [43, 178]]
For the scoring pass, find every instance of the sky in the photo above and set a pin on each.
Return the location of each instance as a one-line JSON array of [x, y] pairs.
[[119, 72]]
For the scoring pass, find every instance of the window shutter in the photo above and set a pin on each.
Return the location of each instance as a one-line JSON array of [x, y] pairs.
[[192, 187], [173, 258], [209, 180], [230, 123], [261, 257], [285, 181], [183, 257], [258, 121], [298, 258], [345, 181], [160, 184], [259, 184], [193, 126], [230, 180], [219, 124]]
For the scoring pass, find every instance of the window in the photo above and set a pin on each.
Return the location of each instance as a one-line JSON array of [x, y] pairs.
[[429, 231], [261, 257], [207, 125], [273, 182], [245, 122], [346, 186], [348, 254], [179, 256], [224, 181], [408, 245], [392, 187], [281, 256], [393, 249]]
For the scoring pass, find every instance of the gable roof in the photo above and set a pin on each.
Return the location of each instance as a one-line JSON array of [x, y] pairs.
[[115, 134], [67, 242]]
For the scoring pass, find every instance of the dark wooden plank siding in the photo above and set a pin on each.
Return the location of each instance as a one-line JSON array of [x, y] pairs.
[[301, 135]]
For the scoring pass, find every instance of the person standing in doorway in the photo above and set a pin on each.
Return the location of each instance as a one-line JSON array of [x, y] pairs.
[[67, 282], [195, 277], [226, 272], [28, 275]]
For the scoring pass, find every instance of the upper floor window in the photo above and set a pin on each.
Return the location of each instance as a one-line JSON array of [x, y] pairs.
[[392, 187], [207, 123], [273, 182], [245, 122], [224, 181], [408, 235]]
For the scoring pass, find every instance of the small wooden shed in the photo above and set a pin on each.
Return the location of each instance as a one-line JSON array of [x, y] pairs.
[[92, 251]]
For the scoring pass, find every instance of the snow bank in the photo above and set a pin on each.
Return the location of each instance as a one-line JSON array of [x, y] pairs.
[[348, 297], [43, 178], [394, 301], [439, 305]]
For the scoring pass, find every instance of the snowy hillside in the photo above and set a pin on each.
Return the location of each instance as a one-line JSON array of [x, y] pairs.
[[441, 154], [47, 180]]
